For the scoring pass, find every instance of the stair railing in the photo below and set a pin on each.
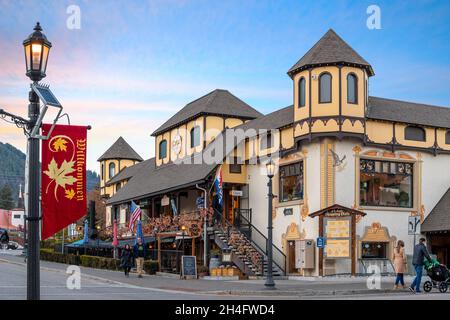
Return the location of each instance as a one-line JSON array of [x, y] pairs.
[[257, 239], [261, 243]]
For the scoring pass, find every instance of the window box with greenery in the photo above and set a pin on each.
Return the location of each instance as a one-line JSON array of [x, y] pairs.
[[291, 182]]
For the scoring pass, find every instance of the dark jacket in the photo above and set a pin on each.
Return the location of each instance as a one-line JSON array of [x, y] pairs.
[[420, 253], [4, 237], [139, 253], [126, 259]]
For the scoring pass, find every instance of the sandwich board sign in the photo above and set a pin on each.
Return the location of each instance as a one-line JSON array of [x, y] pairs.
[[188, 266]]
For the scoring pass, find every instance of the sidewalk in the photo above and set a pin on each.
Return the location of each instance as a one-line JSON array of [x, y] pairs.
[[338, 286]]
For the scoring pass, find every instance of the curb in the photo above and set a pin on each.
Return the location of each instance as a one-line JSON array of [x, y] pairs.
[[310, 293]]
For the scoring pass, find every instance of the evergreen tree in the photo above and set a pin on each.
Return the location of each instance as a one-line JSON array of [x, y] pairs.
[[6, 198]]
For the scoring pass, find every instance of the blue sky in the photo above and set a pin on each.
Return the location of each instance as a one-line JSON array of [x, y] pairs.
[[133, 64]]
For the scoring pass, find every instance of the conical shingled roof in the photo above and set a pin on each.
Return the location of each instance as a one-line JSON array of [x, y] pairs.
[[218, 102], [120, 150], [330, 49]]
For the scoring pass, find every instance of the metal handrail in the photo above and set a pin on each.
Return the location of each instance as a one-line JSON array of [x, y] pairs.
[[258, 246], [274, 247]]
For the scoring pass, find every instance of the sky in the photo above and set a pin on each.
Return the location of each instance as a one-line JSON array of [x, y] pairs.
[[133, 64]]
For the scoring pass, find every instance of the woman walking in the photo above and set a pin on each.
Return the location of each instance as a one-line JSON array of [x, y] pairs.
[[126, 259], [399, 263]]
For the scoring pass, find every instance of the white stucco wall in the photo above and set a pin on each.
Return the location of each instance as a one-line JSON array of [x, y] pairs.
[[435, 182]]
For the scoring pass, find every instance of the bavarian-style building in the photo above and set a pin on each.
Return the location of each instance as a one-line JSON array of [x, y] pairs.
[[352, 171]]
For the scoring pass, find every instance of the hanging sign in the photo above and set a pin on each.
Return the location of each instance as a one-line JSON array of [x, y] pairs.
[[63, 177], [165, 201]]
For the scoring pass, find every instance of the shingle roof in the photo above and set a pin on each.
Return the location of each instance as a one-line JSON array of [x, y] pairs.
[[125, 173], [146, 179], [274, 120], [439, 217], [120, 150], [149, 179], [218, 102], [330, 49], [408, 112]]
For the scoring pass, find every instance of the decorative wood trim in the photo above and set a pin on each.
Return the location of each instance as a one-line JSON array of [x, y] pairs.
[[340, 98], [310, 104]]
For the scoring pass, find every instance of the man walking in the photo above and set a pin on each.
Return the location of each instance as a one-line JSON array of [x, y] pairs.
[[420, 253], [139, 254]]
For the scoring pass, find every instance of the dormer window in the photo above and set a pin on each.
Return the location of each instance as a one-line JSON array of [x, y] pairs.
[[112, 169], [352, 88], [163, 149], [195, 136], [301, 92], [325, 88], [415, 133]]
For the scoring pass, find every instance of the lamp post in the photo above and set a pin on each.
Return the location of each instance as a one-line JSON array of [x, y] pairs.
[[270, 284], [37, 48], [183, 231]]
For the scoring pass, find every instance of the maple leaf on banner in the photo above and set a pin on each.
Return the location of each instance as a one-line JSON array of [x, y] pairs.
[[60, 144], [60, 175], [70, 194]]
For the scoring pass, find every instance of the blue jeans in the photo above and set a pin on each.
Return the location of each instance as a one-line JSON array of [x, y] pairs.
[[418, 278], [399, 279]]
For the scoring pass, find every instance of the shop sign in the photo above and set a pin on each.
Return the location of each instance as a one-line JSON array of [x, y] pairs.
[[236, 193], [337, 248], [338, 228], [165, 201], [337, 213]]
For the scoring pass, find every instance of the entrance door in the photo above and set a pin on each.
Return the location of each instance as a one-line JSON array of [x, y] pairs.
[[231, 203], [291, 257]]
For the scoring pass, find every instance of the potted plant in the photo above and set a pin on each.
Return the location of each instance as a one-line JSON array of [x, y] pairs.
[[215, 253], [202, 271]]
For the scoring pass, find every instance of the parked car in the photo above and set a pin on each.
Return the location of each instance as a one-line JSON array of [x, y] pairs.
[[12, 245]]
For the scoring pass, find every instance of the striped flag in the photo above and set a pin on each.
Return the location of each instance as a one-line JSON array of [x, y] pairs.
[[135, 214]]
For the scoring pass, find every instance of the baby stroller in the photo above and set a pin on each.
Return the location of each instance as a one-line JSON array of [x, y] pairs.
[[439, 275]]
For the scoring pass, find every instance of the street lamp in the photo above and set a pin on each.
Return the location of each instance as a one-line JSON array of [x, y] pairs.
[[37, 48], [270, 284]]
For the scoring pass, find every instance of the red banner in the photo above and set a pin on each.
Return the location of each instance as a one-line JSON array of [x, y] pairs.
[[63, 180]]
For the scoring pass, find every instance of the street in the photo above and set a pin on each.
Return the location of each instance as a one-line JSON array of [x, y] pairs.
[[98, 284]]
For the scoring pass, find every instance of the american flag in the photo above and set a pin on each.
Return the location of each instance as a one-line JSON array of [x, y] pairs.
[[135, 214]]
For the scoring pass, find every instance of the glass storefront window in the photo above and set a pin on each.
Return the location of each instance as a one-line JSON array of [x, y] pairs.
[[373, 250], [291, 182], [386, 184]]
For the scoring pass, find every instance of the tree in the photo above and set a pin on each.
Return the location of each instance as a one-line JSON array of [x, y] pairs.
[[6, 198]]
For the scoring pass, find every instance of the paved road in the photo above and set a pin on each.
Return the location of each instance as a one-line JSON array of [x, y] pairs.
[[104, 284]]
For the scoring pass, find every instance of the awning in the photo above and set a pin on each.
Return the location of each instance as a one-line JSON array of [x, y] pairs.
[[147, 239], [439, 218]]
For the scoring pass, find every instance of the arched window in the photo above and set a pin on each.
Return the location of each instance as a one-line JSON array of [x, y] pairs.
[[301, 92], [325, 88], [447, 137], [163, 149], [195, 136], [352, 88], [415, 133], [112, 169]]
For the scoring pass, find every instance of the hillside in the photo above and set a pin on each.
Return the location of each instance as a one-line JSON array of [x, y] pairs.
[[12, 170]]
